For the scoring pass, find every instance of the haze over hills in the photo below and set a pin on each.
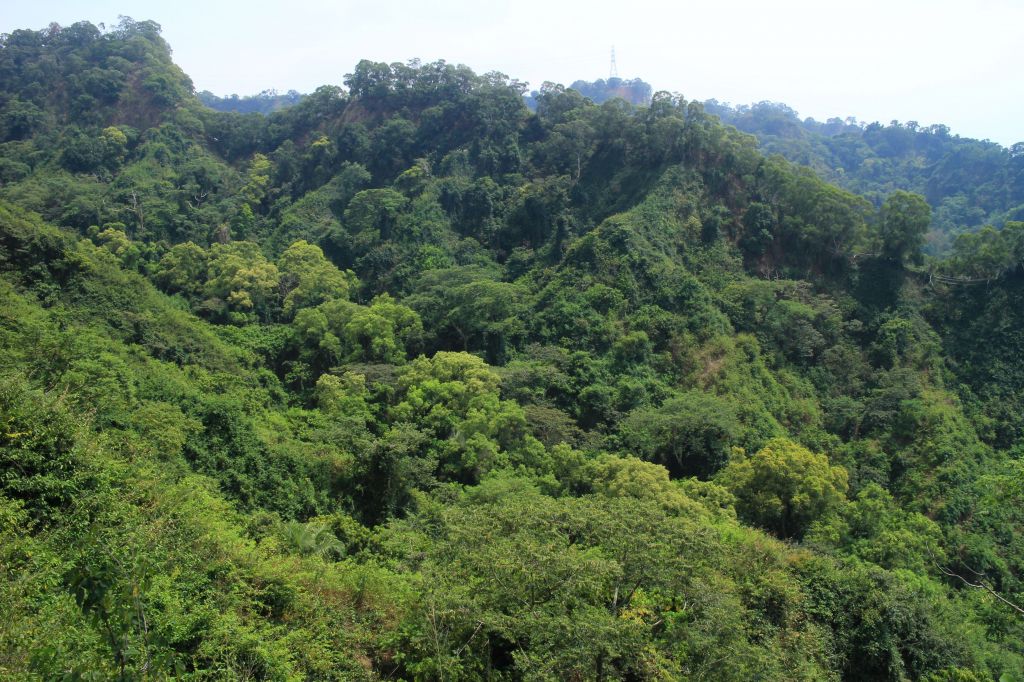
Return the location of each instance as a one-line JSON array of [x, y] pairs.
[[265, 102], [406, 381]]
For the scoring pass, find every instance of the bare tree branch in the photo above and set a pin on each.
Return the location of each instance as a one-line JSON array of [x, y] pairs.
[[980, 586]]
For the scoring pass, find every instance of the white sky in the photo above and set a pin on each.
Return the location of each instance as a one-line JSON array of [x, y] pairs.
[[932, 61]]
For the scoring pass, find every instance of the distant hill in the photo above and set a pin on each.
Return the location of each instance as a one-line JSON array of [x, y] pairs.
[[969, 183], [264, 103], [633, 90]]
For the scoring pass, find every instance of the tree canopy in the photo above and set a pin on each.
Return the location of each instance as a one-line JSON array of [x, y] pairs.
[[408, 381]]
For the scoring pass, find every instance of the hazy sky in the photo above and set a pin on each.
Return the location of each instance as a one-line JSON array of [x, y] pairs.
[[932, 61]]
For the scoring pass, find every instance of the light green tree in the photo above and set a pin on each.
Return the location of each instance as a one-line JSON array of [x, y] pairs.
[[242, 278], [784, 487], [309, 278], [183, 269]]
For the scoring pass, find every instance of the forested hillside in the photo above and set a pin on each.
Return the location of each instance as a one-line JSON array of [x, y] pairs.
[[632, 90], [407, 382], [969, 183], [264, 103]]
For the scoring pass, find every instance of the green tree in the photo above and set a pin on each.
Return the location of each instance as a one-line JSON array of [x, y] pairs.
[[905, 218], [467, 309], [309, 279], [784, 487], [454, 398], [384, 331], [690, 434], [241, 280], [373, 213], [257, 180]]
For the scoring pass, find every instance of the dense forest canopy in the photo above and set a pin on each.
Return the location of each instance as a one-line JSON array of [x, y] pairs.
[[406, 381], [969, 183]]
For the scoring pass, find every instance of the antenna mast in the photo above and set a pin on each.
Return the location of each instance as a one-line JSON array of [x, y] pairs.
[[614, 71]]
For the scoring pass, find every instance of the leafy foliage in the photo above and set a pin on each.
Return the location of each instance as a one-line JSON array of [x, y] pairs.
[[968, 183], [405, 381]]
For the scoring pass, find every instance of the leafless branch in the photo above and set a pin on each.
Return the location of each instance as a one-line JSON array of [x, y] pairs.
[[979, 586]]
